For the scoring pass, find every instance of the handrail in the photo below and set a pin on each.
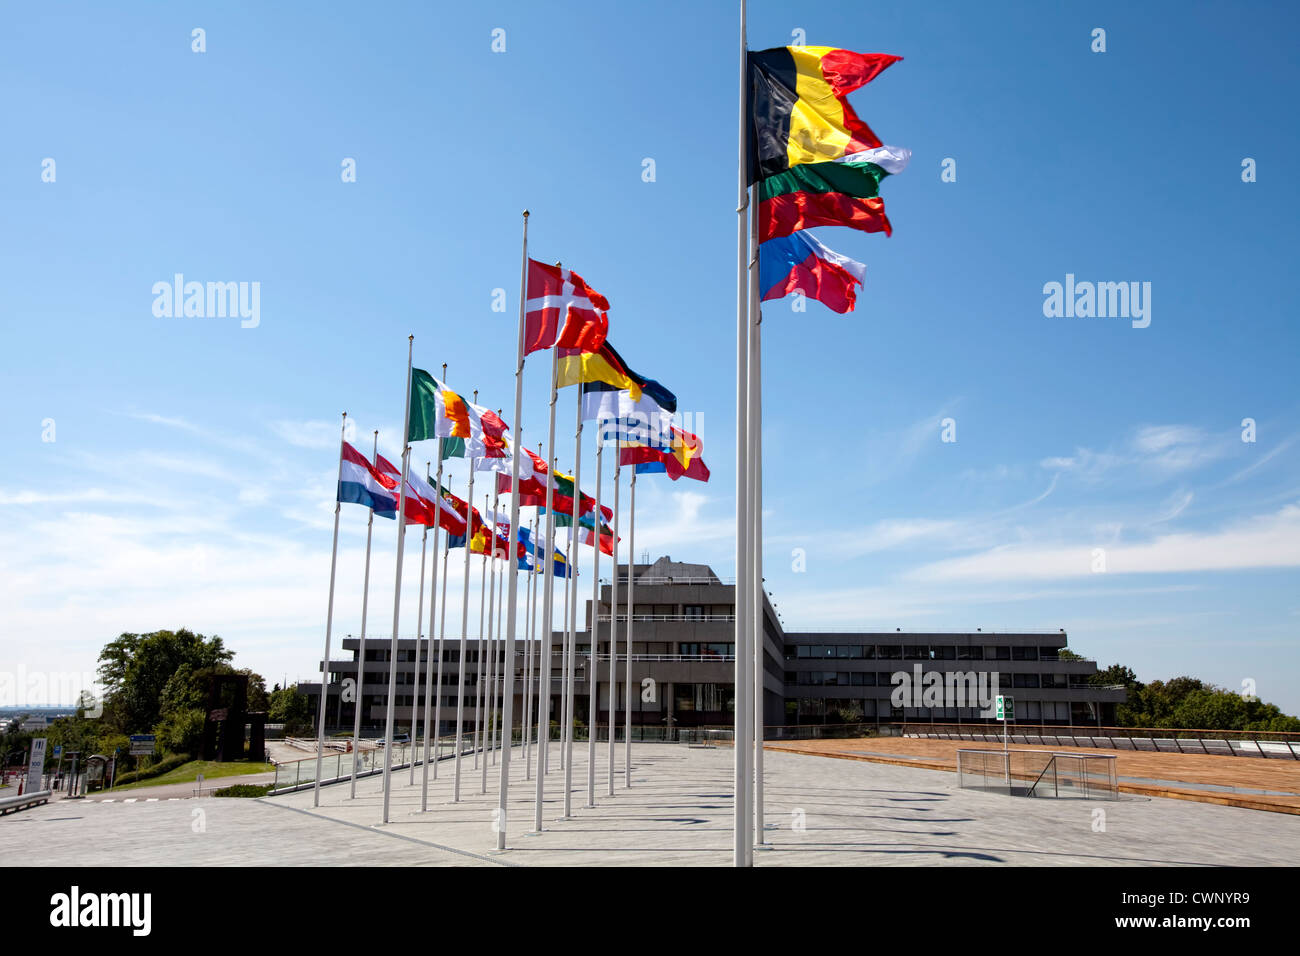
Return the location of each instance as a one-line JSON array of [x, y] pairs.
[[670, 617], [1051, 763]]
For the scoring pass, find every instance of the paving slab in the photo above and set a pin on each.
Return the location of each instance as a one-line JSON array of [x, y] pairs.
[[819, 811]]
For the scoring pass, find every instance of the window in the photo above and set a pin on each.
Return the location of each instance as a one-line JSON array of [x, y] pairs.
[[843, 651], [1024, 653], [997, 653], [805, 650], [916, 652], [694, 612], [1024, 680], [970, 653], [890, 652], [945, 653]]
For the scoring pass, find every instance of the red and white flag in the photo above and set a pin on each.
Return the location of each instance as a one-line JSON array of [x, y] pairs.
[[562, 310]]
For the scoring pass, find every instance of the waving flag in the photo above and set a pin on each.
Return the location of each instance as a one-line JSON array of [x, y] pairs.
[[557, 295], [360, 483], [436, 507], [606, 368], [418, 509], [799, 108], [683, 457], [439, 412], [845, 193], [800, 263], [531, 466]]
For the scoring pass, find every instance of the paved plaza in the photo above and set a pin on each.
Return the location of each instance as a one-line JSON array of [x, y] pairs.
[[820, 811]]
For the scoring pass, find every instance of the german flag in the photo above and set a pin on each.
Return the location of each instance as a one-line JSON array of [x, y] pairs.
[[798, 107], [842, 193], [606, 365]]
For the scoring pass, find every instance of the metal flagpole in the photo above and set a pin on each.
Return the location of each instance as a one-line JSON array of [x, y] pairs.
[[512, 569], [483, 623], [757, 625], [564, 656], [530, 596], [627, 677], [742, 824], [573, 610], [464, 628], [494, 675], [329, 620], [593, 687], [487, 663], [442, 655], [397, 586], [429, 690], [361, 652], [545, 666], [419, 635], [613, 617]]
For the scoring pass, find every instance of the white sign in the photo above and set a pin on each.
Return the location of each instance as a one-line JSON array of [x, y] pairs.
[[1006, 708], [36, 765]]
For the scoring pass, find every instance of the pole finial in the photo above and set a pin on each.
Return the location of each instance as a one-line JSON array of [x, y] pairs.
[[525, 213], [444, 371]]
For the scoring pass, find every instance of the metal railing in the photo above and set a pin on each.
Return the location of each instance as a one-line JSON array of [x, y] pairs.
[[659, 579], [1236, 743], [1028, 773], [671, 658], [670, 617]]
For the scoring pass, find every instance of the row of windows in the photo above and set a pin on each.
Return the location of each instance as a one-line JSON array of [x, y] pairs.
[[885, 678], [920, 652]]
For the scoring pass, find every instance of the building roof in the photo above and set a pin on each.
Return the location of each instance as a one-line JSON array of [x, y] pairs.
[[666, 567]]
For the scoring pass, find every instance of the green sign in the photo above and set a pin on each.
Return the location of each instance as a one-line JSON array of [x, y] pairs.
[[1006, 708]]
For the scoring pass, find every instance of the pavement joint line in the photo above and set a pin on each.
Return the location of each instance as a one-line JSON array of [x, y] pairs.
[[396, 836]]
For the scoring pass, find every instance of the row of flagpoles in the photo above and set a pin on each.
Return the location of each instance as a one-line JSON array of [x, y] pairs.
[[561, 313], [805, 160]]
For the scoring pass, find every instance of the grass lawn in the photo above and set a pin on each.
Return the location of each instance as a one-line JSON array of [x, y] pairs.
[[189, 772]]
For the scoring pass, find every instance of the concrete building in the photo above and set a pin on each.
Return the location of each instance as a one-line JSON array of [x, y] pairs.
[[683, 659]]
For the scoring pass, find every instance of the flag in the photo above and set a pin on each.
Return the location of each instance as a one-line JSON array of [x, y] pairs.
[[683, 457], [800, 263], [798, 107], [844, 193], [556, 294], [360, 483], [436, 507], [439, 412], [655, 407], [607, 366], [531, 466], [533, 495], [418, 503], [636, 430]]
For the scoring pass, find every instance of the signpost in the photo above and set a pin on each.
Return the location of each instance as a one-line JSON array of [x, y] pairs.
[[36, 764], [142, 745], [1006, 714]]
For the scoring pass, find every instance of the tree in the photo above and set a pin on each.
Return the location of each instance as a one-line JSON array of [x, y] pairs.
[[290, 708], [135, 670]]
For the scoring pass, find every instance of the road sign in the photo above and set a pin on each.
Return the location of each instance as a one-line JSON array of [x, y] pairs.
[[58, 750], [36, 764], [143, 744], [1006, 708]]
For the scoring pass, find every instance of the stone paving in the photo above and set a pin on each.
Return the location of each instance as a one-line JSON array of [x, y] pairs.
[[820, 811]]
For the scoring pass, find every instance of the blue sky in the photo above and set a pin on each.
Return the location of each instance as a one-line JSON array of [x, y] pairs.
[[190, 479]]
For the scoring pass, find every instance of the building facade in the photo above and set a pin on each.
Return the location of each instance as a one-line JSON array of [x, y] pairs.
[[683, 660]]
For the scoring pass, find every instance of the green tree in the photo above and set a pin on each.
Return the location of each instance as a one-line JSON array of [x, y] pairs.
[[135, 670]]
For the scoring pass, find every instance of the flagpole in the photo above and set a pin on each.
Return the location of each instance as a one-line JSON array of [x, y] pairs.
[[329, 619], [419, 635], [613, 616], [530, 595], [494, 649], [488, 664], [397, 585], [361, 653], [593, 687], [573, 611], [464, 628], [548, 595], [564, 656], [442, 653], [757, 628], [742, 824], [627, 677], [484, 620], [428, 667]]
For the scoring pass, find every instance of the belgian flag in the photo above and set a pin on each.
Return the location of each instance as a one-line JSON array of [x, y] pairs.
[[798, 106]]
